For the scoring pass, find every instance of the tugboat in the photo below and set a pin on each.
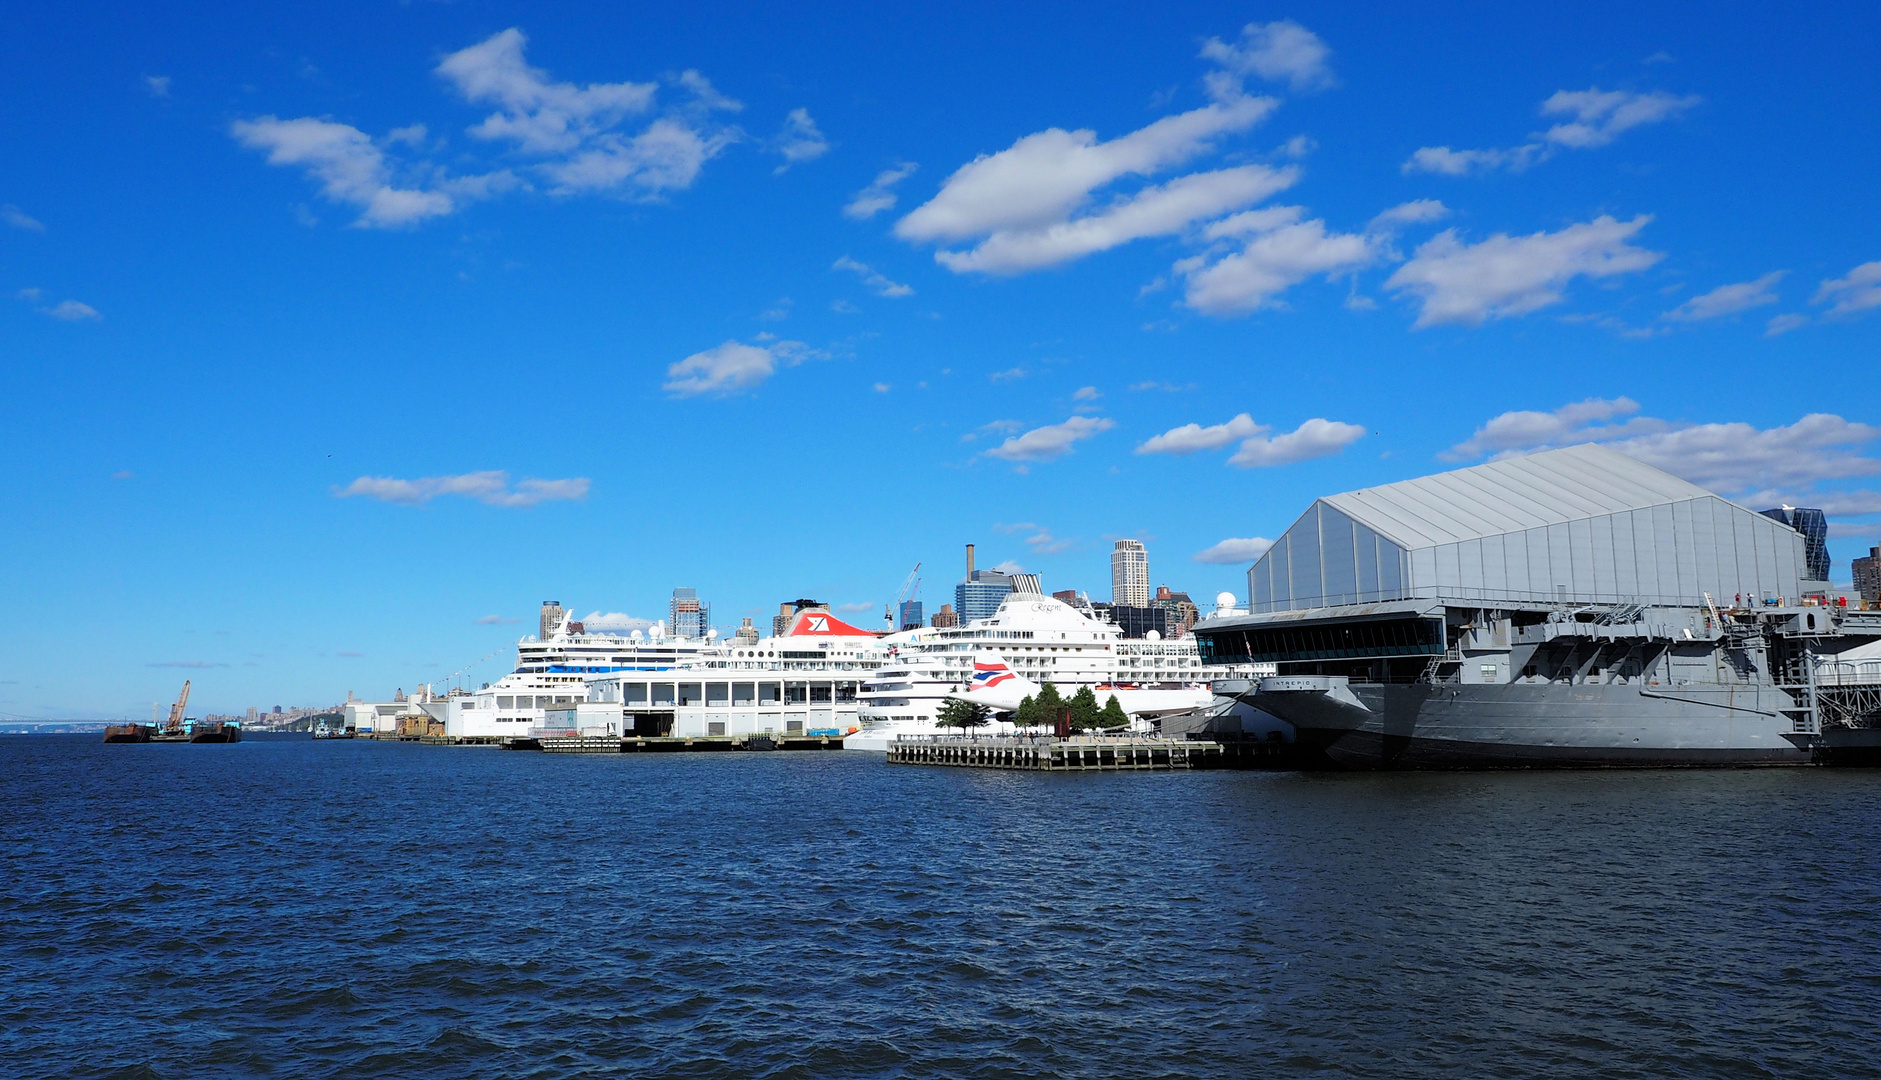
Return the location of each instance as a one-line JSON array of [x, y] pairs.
[[322, 731]]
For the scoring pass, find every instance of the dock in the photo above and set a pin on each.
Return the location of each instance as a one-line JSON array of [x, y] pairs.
[[640, 744], [1099, 753]]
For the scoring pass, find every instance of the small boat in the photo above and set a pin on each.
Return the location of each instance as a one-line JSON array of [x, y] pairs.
[[322, 731]]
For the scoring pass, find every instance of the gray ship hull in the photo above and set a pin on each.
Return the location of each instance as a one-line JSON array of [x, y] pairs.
[[1424, 726]]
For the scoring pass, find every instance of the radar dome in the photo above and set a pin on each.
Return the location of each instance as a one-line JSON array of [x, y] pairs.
[[1224, 602], [1153, 636]]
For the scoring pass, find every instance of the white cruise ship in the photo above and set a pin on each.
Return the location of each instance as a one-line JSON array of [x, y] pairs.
[[1043, 639], [605, 684]]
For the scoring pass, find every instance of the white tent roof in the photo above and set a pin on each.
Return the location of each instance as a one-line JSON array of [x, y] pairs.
[[1548, 488]]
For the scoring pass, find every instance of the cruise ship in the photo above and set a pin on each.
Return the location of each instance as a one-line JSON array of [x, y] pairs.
[[568, 681], [1044, 640]]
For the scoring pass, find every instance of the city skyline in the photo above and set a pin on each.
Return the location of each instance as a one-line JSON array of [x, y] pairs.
[[339, 341]]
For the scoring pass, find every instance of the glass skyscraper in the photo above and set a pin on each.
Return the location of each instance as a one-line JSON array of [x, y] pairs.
[[978, 597], [1814, 525]]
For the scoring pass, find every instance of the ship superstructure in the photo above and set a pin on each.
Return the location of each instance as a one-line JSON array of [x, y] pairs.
[[1573, 607]]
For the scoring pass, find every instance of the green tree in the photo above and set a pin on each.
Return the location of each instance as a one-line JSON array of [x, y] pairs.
[[1084, 710], [1048, 704], [1026, 715], [965, 715], [1113, 718]]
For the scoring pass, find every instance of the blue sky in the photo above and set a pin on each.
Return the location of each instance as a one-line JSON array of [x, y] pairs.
[[333, 339]]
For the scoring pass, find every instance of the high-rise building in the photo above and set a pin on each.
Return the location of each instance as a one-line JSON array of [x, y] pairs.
[[1181, 610], [978, 596], [910, 616], [1129, 574], [1868, 575], [551, 622], [1814, 525], [690, 615], [252, 713], [747, 634], [944, 618]]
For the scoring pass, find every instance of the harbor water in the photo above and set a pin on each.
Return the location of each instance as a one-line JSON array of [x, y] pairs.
[[352, 909]]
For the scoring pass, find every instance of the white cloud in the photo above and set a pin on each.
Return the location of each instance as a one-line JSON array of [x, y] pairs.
[[1190, 438], [668, 155], [1233, 550], [1415, 212], [1281, 51], [1050, 441], [1007, 375], [575, 134], [1313, 439], [858, 606], [539, 116], [1298, 147], [352, 170], [1157, 210], [877, 197], [491, 487], [1276, 258], [1739, 456], [1010, 566], [1043, 542], [617, 622], [799, 141], [73, 311], [1505, 276], [1599, 115], [882, 388], [494, 620], [1316, 438], [1086, 393], [1573, 423], [1021, 200], [1783, 324], [158, 85], [1858, 292], [19, 219], [1727, 300], [877, 283], [1729, 457], [1447, 162], [730, 367]]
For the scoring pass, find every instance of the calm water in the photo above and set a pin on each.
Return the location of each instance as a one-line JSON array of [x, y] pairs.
[[295, 909]]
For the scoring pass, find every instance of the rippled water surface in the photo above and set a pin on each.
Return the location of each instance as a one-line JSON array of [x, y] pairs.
[[354, 909]]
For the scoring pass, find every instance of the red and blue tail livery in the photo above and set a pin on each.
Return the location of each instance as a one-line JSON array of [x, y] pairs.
[[987, 676], [995, 685]]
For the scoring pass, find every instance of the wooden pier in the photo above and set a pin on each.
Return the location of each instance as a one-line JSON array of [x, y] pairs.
[[1104, 753]]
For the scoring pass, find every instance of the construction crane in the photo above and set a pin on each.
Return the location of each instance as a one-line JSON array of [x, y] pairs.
[[909, 588], [174, 726]]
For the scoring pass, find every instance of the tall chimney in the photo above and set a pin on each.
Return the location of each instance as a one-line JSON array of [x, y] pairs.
[[969, 562]]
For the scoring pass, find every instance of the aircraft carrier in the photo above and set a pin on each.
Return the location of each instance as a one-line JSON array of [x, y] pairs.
[[1571, 608]]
